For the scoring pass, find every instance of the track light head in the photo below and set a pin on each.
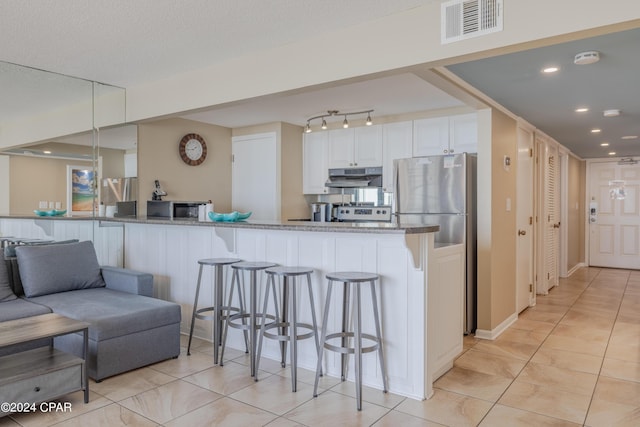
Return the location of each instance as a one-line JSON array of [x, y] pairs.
[[345, 123], [307, 128]]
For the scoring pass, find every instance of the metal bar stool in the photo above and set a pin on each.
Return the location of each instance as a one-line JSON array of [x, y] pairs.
[[217, 310], [288, 324], [252, 314], [356, 279]]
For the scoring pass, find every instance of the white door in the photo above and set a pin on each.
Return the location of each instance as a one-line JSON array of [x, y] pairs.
[[524, 220], [254, 185], [614, 229], [550, 221]]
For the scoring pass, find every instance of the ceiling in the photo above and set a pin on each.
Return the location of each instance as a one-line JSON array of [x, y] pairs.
[[126, 43], [549, 101]]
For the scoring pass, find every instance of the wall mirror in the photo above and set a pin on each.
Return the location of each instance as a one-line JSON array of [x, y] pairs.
[[49, 122]]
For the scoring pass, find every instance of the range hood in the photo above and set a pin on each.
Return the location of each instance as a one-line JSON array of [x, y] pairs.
[[355, 177]]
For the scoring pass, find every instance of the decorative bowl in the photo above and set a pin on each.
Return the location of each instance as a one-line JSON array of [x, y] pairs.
[[51, 212], [224, 217], [243, 216]]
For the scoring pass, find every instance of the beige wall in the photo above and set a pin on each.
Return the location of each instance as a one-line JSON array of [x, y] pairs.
[[158, 158], [36, 178], [576, 178], [496, 225]]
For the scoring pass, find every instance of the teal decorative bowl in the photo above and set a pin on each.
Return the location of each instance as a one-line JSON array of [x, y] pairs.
[[52, 212], [229, 217], [243, 216], [224, 217]]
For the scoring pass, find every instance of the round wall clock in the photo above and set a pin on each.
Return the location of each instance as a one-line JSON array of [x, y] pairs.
[[193, 149]]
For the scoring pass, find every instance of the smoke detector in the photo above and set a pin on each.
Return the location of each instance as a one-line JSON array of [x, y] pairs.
[[584, 58]]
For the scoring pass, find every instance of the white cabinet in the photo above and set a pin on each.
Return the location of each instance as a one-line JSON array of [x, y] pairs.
[[430, 136], [463, 133], [368, 146], [445, 135], [314, 162], [351, 147], [397, 139]]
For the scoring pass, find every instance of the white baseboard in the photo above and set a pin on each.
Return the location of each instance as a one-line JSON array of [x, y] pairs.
[[576, 268], [495, 332]]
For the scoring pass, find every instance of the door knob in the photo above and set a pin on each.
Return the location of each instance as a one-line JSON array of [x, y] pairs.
[[521, 232]]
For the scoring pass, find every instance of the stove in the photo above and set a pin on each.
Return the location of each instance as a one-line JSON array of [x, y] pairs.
[[361, 213]]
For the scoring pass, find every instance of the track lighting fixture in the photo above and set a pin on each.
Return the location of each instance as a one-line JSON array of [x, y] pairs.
[[345, 122]]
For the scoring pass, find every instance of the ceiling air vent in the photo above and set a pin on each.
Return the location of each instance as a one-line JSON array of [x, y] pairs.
[[463, 19]]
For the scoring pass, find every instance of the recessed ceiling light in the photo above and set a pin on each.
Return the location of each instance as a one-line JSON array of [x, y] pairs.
[[612, 153], [604, 144], [611, 113], [630, 137], [549, 70], [595, 131], [582, 110], [47, 152]]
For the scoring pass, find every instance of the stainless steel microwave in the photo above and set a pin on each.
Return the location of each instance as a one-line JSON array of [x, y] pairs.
[[165, 209]]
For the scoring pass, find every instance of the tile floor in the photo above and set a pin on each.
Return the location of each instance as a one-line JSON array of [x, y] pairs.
[[573, 359]]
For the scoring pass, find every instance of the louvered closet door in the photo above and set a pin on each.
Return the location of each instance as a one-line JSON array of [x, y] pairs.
[[551, 221], [614, 236]]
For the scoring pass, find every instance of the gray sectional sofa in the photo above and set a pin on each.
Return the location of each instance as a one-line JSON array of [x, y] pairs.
[[128, 328]]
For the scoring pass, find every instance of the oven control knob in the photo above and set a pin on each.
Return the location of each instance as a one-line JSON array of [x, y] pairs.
[[384, 212], [347, 211]]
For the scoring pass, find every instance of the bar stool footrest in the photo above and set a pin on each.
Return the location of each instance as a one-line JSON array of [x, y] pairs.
[[279, 337], [231, 319], [350, 350], [199, 312]]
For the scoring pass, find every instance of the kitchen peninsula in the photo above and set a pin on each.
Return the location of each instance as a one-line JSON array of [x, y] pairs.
[[421, 286]]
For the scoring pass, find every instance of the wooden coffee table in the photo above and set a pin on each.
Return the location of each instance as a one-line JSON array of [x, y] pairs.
[[44, 373]]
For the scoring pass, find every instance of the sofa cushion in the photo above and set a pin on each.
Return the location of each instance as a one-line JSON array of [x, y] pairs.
[[19, 308], [47, 269], [6, 294], [112, 313]]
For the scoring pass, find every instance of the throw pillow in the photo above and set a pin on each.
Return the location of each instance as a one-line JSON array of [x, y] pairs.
[[6, 294], [49, 269]]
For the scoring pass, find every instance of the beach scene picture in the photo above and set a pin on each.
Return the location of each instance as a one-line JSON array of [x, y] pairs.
[[82, 195]]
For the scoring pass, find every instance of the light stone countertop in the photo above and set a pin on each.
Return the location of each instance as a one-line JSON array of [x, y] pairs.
[[333, 227]]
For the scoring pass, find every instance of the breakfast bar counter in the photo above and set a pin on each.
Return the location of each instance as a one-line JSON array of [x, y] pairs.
[[420, 290]]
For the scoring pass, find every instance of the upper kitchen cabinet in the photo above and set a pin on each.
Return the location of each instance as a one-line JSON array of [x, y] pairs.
[[357, 147], [445, 135], [463, 133], [397, 139], [315, 149]]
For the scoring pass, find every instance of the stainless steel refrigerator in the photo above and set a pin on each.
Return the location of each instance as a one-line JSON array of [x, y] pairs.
[[442, 190]]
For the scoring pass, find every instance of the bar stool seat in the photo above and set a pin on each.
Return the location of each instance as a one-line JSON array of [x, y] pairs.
[[288, 325], [219, 312], [252, 314], [352, 281]]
